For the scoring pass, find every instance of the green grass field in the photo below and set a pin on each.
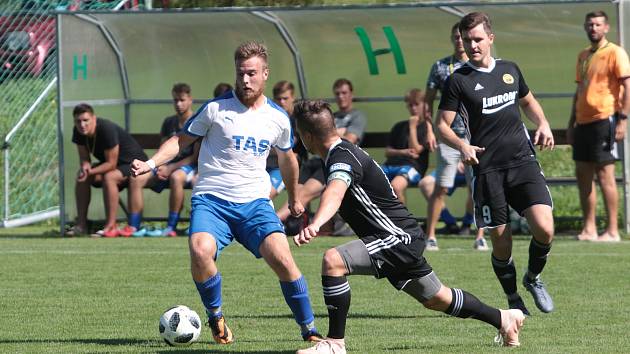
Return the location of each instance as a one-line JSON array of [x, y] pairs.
[[84, 295]]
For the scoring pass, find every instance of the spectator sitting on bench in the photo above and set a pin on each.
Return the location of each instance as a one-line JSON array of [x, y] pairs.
[[115, 149], [178, 174], [406, 164]]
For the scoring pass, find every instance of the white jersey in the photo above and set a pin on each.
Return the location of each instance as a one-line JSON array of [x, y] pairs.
[[236, 142]]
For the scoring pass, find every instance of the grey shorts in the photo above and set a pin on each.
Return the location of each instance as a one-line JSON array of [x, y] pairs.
[[448, 159]]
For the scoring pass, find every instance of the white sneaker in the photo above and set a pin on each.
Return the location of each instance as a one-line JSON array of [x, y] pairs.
[[431, 245], [511, 323], [327, 346], [480, 244]]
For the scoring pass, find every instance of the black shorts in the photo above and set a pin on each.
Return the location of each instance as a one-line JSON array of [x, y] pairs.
[[519, 187], [397, 262], [312, 168], [125, 169], [595, 142]]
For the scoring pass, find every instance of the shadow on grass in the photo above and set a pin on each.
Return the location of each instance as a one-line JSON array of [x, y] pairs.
[[321, 316], [200, 347]]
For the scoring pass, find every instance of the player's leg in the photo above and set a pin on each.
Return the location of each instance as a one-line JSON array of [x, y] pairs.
[[83, 194], [209, 234], [429, 291], [257, 227], [584, 172], [135, 201], [399, 184], [111, 182], [608, 185], [528, 194], [177, 182]]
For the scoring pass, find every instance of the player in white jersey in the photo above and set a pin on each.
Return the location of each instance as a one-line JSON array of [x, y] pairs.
[[231, 198]]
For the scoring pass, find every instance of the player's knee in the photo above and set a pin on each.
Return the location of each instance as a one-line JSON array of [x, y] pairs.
[[202, 248], [332, 263], [177, 178]]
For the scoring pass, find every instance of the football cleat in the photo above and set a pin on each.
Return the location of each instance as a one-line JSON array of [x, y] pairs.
[[327, 346], [312, 336], [511, 323], [127, 231], [220, 331], [481, 244], [431, 245], [519, 305], [542, 299]]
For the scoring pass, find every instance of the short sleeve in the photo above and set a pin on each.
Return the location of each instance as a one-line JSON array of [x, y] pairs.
[[394, 136], [357, 124], [165, 131], [433, 81], [450, 95], [286, 139], [77, 138], [343, 161], [523, 89], [201, 121], [622, 65]]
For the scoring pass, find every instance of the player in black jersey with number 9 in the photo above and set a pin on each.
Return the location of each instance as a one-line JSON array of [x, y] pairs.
[[390, 243], [488, 92]]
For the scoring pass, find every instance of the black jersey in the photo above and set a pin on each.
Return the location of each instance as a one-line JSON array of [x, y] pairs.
[[487, 99], [370, 205], [399, 139], [108, 135]]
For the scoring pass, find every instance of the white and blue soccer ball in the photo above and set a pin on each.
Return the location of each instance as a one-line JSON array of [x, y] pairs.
[[180, 326]]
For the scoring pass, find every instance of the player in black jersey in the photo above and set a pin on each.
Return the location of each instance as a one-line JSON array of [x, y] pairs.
[[390, 241], [488, 94]]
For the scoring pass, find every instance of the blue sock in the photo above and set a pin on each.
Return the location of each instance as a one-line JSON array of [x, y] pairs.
[[468, 219], [446, 216], [134, 220], [210, 292], [296, 295], [173, 218]]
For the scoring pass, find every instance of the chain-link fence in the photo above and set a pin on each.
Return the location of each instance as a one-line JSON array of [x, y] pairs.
[[28, 114]]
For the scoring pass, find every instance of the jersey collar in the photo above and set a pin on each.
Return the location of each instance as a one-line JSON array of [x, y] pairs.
[[489, 69], [337, 142]]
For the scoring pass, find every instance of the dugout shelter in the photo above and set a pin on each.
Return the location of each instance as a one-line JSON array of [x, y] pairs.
[[124, 64]]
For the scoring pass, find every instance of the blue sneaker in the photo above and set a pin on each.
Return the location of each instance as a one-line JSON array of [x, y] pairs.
[[154, 232], [140, 233]]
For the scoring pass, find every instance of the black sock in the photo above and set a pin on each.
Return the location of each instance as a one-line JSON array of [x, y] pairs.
[[538, 253], [337, 299], [466, 305], [506, 273]]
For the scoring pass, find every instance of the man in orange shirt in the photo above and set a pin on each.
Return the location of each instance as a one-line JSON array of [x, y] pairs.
[[598, 120]]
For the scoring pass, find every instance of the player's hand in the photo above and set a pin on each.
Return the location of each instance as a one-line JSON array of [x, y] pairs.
[[83, 173], [163, 172], [413, 121], [469, 154], [620, 129], [296, 208], [544, 137], [306, 235], [412, 153], [139, 168]]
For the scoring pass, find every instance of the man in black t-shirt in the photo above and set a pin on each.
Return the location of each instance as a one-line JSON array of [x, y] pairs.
[[405, 165], [177, 174], [115, 149], [390, 243], [488, 94]]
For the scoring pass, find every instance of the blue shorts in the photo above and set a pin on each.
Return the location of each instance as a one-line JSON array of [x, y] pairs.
[[460, 181], [249, 222], [407, 171], [190, 171], [276, 179]]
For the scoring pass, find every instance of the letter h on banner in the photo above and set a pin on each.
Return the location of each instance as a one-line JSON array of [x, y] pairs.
[[370, 54]]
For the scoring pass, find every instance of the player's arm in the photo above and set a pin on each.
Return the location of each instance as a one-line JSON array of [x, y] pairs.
[[356, 128], [110, 163], [535, 114], [571, 125], [620, 129], [289, 170], [338, 183], [429, 98], [469, 152], [167, 151], [85, 164]]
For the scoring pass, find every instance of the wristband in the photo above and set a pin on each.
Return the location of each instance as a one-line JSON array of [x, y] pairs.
[[151, 164], [622, 116]]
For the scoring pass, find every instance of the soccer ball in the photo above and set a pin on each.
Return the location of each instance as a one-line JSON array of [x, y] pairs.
[[180, 326]]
